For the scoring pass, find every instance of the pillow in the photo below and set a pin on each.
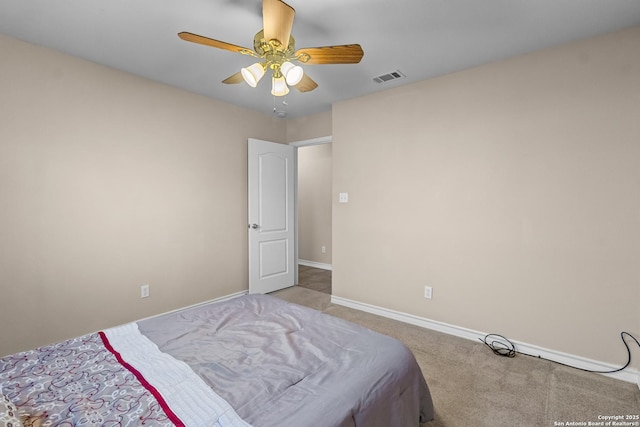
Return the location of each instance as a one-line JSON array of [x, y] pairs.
[[8, 413]]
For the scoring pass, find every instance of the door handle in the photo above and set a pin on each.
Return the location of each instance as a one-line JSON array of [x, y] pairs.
[[254, 226]]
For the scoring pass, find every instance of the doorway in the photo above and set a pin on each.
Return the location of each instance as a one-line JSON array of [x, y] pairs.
[[314, 205]]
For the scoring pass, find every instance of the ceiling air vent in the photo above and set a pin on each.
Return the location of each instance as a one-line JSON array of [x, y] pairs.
[[394, 75]]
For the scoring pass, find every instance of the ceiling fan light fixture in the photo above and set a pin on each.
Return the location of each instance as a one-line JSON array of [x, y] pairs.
[[279, 86], [292, 73], [252, 74], [275, 47]]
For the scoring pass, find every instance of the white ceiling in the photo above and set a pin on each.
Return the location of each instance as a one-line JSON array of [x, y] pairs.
[[421, 38]]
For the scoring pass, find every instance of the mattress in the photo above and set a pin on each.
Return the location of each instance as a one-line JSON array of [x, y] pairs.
[[254, 361]]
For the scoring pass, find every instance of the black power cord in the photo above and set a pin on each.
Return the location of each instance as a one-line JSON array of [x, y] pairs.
[[504, 347]]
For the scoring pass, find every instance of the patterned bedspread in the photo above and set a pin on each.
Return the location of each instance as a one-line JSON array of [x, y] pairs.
[[79, 382], [112, 378]]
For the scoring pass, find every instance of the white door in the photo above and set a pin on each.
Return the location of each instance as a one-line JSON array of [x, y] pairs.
[[271, 216]]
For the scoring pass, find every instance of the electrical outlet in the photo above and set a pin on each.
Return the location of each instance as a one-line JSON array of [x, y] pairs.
[[428, 292], [144, 291], [324, 249]]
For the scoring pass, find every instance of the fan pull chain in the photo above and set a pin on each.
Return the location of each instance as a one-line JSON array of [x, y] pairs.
[[283, 112]]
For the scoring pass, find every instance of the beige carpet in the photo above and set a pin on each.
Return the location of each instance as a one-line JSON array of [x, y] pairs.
[[471, 387], [314, 278]]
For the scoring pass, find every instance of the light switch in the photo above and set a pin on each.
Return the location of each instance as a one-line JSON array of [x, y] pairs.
[[344, 198]]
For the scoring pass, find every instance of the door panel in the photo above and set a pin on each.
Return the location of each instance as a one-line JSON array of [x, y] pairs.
[[273, 258], [271, 216]]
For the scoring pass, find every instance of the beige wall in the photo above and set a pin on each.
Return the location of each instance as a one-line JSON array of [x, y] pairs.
[[314, 203], [309, 127], [107, 182], [512, 189]]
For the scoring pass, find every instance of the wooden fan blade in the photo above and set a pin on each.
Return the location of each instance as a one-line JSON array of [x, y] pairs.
[[212, 42], [344, 54], [277, 19], [236, 78], [306, 84]]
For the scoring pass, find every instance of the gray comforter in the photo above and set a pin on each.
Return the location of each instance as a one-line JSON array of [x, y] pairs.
[[280, 364]]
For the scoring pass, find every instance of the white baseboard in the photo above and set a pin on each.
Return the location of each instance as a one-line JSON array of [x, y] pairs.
[[314, 264], [628, 375], [219, 299]]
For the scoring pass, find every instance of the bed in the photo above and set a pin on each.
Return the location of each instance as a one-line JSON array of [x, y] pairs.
[[254, 360]]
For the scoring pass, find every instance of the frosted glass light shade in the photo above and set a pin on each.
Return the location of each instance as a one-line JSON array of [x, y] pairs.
[[253, 74], [292, 73], [279, 86]]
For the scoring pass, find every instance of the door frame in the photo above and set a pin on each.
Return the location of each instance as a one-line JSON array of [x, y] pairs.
[[298, 144]]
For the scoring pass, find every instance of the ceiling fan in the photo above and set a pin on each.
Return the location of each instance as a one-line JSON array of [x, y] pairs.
[[275, 48]]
